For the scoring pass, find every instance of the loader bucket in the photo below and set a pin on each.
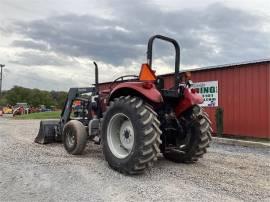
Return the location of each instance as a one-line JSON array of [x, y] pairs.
[[47, 132]]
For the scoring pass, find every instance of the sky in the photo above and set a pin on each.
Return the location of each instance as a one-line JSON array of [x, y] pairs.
[[50, 45]]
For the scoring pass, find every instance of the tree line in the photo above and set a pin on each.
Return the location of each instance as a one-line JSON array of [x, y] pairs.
[[33, 97]]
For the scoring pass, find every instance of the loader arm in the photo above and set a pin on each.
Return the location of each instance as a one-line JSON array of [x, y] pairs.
[[72, 94], [51, 130]]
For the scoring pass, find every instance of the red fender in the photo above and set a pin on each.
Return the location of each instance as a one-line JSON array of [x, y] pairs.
[[149, 91], [190, 98]]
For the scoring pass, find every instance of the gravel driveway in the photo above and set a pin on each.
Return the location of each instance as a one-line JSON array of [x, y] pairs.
[[34, 172]]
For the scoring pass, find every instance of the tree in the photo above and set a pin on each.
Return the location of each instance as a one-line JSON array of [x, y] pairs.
[[34, 97], [59, 97]]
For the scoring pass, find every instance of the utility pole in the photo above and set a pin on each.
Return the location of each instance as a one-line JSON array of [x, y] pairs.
[[1, 78]]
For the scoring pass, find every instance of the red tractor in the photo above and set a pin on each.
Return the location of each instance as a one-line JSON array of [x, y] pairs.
[[136, 119]]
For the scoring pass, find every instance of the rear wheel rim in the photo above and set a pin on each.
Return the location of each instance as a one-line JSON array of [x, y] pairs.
[[70, 139], [120, 135]]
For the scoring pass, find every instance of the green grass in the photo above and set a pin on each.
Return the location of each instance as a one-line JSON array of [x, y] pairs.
[[40, 115]]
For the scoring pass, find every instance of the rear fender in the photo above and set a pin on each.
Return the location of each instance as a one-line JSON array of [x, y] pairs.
[[137, 89], [190, 99]]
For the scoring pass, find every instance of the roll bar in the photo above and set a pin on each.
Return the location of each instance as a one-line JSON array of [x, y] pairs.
[[177, 54]]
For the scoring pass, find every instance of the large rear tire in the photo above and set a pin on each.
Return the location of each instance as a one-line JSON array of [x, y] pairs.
[[199, 131], [130, 135], [74, 137]]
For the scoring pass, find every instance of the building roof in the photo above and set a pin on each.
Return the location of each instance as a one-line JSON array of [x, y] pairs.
[[232, 64]]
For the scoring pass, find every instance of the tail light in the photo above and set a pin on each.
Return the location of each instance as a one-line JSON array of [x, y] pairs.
[[193, 90], [147, 85]]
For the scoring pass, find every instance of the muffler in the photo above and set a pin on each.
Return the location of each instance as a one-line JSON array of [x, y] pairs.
[[48, 132]]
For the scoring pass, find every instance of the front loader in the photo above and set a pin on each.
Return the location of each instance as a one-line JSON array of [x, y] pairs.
[[136, 119]]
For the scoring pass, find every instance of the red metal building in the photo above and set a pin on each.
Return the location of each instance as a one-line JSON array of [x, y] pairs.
[[243, 94]]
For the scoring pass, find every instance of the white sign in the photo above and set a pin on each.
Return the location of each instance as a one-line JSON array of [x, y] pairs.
[[209, 91]]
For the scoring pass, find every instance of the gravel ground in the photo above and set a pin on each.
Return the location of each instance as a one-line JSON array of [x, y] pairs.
[[33, 172]]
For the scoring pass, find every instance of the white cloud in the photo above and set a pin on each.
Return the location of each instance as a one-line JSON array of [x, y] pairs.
[[49, 44]]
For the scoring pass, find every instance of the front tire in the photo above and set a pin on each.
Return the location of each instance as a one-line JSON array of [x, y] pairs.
[[197, 127], [130, 135], [74, 137]]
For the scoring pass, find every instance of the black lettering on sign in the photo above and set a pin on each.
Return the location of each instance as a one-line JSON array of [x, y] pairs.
[[212, 89], [205, 90]]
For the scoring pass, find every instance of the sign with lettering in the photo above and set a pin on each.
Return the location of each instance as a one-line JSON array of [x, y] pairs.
[[209, 91]]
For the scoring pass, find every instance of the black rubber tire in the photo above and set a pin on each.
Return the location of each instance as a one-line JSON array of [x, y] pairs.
[[146, 135], [77, 129], [200, 137]]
